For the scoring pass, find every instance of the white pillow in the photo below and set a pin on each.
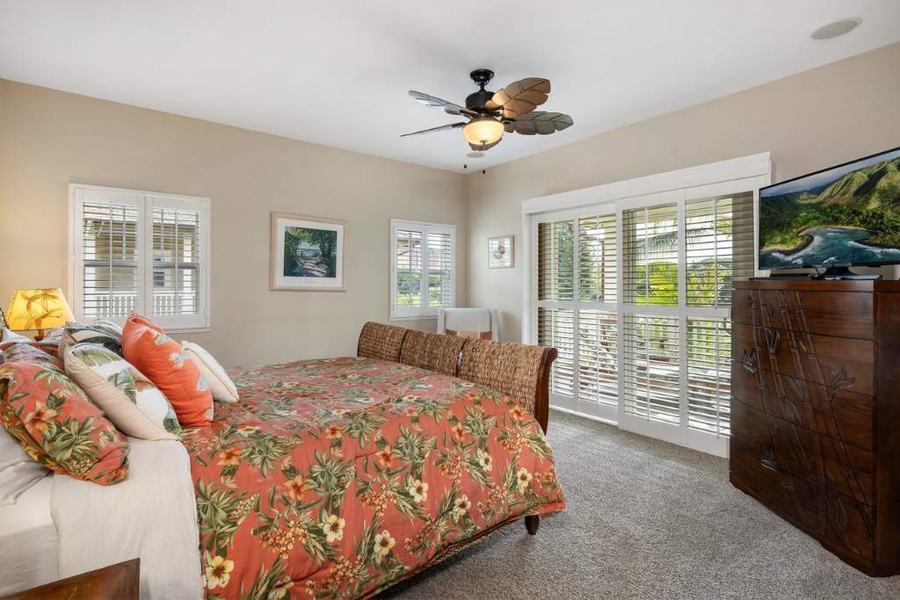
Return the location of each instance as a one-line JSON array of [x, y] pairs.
[[220, 384], [131, 401], [18, 471]]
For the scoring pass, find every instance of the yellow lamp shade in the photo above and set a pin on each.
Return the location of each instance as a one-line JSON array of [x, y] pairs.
[[483, 131], [38, 309]]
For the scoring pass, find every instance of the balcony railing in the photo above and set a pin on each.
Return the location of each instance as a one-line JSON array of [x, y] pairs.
[[120, 304]]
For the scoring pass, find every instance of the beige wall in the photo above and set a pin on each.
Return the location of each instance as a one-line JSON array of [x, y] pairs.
[[808, 121], [49, 139]]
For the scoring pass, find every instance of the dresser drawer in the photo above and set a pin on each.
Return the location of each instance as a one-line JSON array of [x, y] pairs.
[[841, 314], [842, 415], [842, 524], [840, 363], [819, 458]]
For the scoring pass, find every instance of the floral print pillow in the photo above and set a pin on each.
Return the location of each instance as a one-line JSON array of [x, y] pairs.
[[30, 353], [78, 333], [130, 400], [57, 426], [162, 359]]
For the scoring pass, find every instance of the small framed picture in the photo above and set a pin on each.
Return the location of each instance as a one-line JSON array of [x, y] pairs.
[[307, 253], [500, 252]]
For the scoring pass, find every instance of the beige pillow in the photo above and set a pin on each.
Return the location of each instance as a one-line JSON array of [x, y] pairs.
[[220, 384], [131, 401]]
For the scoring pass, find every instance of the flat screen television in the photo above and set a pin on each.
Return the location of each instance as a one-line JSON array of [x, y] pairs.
[[834, 218]]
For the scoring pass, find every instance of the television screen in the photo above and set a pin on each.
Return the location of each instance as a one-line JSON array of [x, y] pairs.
[[840, 216]]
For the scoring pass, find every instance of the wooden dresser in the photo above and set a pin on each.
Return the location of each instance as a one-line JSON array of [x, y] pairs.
[[815, 422]]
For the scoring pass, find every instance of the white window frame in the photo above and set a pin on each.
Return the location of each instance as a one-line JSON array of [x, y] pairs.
[[399, 313], [145, 201], [716, 179]]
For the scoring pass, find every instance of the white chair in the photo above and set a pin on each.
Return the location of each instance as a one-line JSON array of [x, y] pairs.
[[482, 323]]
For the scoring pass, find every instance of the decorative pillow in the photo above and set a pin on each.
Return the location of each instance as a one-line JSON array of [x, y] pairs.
[[8, 336], [78, 333], [50, 343], [18, 471], [30, 353], [160, 358], [109, 327], [131, 401], [147, 321], [56, 425], [220, 384]]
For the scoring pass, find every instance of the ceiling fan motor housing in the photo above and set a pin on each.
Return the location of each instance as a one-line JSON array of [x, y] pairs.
[[476, 100]]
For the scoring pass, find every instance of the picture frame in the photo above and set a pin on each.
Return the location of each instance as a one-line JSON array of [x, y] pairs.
[[501, 252], [307, 253]]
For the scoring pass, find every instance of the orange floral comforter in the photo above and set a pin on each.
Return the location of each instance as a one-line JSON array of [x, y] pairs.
[[334, 478]]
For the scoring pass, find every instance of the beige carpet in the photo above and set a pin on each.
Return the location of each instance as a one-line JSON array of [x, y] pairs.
[[646, 520]]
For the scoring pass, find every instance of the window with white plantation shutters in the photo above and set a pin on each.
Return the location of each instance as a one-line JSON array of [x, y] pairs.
[[137, 251], [422, 268], [635, 295]]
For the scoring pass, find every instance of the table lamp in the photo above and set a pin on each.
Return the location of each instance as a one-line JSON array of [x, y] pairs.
[[38, 309]]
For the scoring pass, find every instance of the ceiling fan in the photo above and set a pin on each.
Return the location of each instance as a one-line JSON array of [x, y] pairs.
[[489, 113]]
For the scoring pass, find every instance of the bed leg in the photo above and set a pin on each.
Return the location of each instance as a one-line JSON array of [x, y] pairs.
[[532, 522]]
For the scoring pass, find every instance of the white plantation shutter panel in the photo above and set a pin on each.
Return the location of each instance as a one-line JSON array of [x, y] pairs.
[[597, 260], [137, 251], [177, 230], [598, 372], [650, 255], [109, 247], [719, 247], [422, 268], [651, 369], [709, 375], [556, 279], [440, 268], [407, 268], [556, 329]]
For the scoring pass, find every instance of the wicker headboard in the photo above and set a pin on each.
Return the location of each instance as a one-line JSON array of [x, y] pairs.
[[380, 341], [518, 370]]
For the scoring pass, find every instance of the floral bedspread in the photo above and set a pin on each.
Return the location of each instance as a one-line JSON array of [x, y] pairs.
[[333, 478]]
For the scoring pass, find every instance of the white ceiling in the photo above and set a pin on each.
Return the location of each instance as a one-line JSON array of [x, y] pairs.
[[337, 72]]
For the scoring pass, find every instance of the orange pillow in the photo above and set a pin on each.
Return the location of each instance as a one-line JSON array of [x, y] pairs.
[[162, 360], [141, 320]]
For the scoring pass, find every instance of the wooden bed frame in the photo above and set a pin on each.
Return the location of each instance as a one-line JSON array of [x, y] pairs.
[[517, 370]]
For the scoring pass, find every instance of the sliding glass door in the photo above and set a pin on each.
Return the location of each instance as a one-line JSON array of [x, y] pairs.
[[635, 295]]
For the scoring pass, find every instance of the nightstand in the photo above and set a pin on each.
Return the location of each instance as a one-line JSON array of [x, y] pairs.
[[119, 582]]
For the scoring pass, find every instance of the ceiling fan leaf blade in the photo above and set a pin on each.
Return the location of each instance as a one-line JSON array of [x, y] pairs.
[[521, 96], [434, 129], [541, 123], [439, 103]]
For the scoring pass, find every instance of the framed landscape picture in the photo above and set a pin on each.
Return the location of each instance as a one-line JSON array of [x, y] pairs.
[[500, 252], [307, 253]]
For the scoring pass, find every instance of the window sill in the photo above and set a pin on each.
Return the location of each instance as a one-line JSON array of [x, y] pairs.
[[413, 318]]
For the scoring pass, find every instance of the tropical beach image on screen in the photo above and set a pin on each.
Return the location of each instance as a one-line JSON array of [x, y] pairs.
[[849, 214], [310, 252]]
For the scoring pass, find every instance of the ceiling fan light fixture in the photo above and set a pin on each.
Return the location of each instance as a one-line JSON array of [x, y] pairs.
[[483, 131]]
